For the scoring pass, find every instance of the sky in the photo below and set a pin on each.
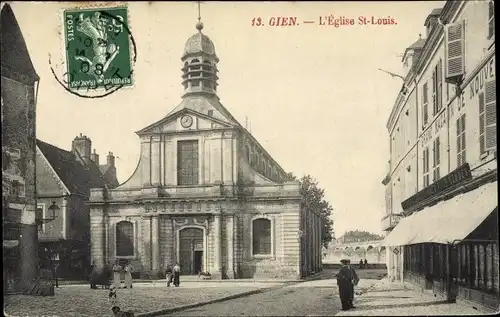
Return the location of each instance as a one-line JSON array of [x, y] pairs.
[[312, 93]]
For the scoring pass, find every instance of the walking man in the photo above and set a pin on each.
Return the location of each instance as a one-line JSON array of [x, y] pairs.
[[345, 280]]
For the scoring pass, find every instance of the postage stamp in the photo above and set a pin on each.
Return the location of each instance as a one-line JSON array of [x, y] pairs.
[[98, 50]]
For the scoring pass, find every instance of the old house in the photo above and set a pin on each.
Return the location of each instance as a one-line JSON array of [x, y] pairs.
[[63, 180]]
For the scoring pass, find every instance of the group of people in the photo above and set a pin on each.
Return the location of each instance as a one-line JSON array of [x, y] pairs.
[[363, 264], [116, 271], [173, 275], [346, 280]]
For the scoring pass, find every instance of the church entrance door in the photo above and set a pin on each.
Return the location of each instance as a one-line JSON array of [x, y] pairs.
[[191, 251]]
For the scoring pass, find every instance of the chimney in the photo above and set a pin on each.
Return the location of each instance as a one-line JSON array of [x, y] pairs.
[[82, 145], [111, 159], [95, 158]]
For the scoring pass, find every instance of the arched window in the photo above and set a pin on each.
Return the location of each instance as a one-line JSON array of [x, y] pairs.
[[124, 238], [261, 236]]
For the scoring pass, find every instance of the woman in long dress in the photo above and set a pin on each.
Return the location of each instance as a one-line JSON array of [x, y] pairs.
[[117, 270], [128, 275], [177, 273]]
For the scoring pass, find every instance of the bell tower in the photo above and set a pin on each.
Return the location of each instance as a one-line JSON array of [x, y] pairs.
[[199, 74]]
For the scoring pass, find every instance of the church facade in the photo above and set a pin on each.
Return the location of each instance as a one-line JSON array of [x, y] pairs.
[[205, 194]]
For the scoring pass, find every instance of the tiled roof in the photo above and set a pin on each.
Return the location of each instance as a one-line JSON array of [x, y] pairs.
[[77, 176], [16, 62]]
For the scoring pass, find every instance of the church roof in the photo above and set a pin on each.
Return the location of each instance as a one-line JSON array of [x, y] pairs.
[[199, 43], [16, 62], [77, 176]]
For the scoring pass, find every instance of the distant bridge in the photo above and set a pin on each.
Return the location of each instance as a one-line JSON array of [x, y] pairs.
[[372, 251]]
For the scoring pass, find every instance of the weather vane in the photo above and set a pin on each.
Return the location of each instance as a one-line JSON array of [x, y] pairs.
[[199, 25], [199, 12]]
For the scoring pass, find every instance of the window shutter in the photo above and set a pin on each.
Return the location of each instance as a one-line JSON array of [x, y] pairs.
[[490, 113], [455, 49], [439, 79], [434, 90], [438, 152], [459, 143], [425, 102], [482, 145]]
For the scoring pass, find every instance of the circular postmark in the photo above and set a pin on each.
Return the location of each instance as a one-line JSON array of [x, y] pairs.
[[100, 52]]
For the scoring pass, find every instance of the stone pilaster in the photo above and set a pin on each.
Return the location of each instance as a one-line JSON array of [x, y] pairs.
[[155, 245], [169, 241], [230, 246], [217, 247], [97, 230], [107, 255], [146, 243], [155, 161]]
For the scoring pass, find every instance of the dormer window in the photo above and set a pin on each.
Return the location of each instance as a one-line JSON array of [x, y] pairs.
[[491, 19]]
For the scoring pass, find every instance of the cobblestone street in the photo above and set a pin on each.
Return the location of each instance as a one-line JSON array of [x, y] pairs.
[[81, 301], [313, 298]]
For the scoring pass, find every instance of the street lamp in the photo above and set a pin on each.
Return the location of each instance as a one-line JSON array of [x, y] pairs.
[[53, 213]]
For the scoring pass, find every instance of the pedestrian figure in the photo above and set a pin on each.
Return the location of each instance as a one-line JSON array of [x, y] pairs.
[[177, 273], [93, 275], [366, 264], [128, 275], [119, 313], [168, 273], [345, 279], [117, 269], [361, 263]]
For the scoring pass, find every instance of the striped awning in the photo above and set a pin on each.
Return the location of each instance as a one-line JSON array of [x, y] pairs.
[[447, 221]]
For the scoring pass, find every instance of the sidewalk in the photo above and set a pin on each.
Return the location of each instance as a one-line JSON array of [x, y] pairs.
[[385, 298], [195, 279]]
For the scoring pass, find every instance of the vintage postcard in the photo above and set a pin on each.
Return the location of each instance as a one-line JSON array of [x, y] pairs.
[[204, 158]]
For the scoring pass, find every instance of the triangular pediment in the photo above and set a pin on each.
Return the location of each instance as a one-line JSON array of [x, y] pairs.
[[185, 120]]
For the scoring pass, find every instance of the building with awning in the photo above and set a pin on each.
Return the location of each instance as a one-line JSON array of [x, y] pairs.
[[441, 218]]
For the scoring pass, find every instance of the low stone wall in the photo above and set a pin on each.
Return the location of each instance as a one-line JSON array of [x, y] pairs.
[[268, 269]]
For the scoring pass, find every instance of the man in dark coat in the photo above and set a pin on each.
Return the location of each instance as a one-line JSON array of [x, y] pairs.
[[345, 280]]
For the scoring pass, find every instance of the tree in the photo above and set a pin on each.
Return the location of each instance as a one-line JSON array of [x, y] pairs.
[[313, 199]]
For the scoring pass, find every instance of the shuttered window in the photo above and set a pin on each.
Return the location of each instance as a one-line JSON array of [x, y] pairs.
[[461, 153], [436, 159], [439, 84], [490, 115], [425, 159], [425, 114], [434, 92], [491, 19], [455, 49]]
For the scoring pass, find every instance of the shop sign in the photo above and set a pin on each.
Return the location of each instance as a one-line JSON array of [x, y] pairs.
[[456, 177]]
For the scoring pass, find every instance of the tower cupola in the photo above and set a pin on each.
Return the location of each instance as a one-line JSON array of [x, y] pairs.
[[199, 74]]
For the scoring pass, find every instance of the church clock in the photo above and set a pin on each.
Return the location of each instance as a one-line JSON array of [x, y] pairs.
[[186, 121]]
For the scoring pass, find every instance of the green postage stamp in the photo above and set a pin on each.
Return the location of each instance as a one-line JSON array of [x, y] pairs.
[[98, 53]]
